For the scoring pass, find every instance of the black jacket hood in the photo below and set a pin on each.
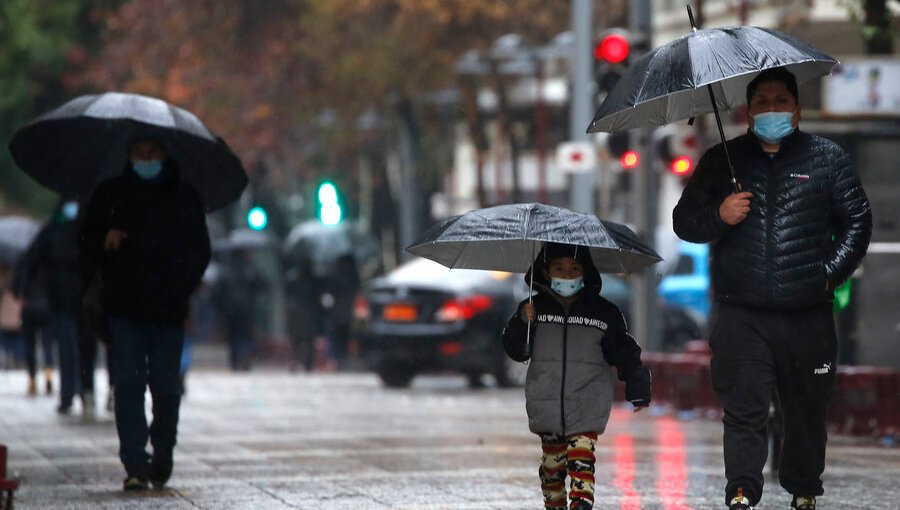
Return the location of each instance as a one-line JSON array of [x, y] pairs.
[[551, 251]]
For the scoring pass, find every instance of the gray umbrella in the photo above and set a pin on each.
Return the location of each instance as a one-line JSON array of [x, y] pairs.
[[508, 238], [85, 141], [16, 235], [703, 72]]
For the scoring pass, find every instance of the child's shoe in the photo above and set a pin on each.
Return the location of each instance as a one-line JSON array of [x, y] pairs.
[[581, 505], [803, 503]]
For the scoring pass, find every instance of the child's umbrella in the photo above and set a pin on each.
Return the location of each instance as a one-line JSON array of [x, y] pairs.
[[508, 237]]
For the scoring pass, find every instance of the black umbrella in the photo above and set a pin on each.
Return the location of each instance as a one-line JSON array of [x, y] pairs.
[[75, 147], [702, 72], [508, 238]]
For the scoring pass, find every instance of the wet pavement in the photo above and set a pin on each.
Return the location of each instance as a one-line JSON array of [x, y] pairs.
[[269, 439]]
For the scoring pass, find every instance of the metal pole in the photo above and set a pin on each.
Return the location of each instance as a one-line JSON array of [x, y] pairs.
[[645, 313], [581, 192]]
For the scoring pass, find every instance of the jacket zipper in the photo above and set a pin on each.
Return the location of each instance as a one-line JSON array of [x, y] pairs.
[[771, 186], [562, 387]]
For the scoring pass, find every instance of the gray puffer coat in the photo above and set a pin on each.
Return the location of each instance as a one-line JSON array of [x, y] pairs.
[[569, 385], [807, 230]]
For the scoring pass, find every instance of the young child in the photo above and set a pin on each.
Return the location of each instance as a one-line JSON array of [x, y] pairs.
[[576, 336]]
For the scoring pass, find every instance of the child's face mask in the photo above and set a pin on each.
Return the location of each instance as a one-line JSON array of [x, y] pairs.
[[566, 287]]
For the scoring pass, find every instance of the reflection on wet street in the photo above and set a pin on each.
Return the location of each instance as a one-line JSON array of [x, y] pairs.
[[273, 440]]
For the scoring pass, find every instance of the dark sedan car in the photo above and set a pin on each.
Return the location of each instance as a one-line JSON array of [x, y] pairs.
[[425, 318]]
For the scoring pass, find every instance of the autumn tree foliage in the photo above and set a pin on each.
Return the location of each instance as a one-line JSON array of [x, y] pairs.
[[271, 75]]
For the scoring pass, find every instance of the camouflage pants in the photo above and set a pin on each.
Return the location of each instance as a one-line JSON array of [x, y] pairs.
[[572, 455]]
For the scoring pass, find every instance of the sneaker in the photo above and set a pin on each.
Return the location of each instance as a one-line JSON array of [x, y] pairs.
[[803, 503], [739, 502], [581, 505], [32, 387], [160, 470], [135, 483]]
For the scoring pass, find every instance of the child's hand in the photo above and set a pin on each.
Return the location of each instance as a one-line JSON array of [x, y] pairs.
[[528, 310]]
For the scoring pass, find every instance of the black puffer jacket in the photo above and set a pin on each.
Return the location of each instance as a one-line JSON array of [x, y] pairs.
[[808, 228]]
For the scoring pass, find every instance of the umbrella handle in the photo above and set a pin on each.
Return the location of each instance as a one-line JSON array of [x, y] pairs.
[[530, 301]]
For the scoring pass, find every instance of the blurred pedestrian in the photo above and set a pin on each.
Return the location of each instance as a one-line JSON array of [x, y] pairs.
[[304, 290], [145, 234], [342, 284], [239, 287], [12, 343], [575, 337], [775, 267], [52, 260], [35, 317]]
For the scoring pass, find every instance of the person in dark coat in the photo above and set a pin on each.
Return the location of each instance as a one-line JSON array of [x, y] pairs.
[[35, 317], [239, 289], [575, 336], [798, 228], [52, 262], [306, 319], [342, 284], [145, 233]]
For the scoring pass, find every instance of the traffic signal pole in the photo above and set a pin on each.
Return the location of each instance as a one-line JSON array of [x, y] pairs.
[[581, 191], [645, 317]]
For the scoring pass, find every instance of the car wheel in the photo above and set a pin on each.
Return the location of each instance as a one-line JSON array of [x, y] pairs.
[[510, 373], [396, 375]]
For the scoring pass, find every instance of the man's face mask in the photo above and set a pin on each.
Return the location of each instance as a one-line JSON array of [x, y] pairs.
[[147, 169], [70, 210], [566, 287], [772, 127]]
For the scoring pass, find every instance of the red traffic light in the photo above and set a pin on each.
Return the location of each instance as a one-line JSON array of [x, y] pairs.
[[681, 165], [612, 48], [629, 159]]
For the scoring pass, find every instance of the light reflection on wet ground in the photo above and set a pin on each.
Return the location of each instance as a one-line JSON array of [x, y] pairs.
[[268, 439]]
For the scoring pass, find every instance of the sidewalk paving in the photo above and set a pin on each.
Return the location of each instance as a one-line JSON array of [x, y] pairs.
[[269, 439]]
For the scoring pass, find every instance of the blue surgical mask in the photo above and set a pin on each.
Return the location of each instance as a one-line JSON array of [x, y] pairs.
[[70, 210], [772, 127], [147, 169], [566, 287]]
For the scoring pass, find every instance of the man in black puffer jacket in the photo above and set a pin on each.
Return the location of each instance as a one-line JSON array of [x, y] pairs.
[[145, 232], [797, 229]]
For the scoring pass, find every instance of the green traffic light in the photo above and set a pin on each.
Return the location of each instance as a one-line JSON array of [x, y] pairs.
[[257, 219], [330, 212]]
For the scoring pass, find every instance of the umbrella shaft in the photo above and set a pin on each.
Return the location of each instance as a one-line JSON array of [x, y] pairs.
[[712, 99]]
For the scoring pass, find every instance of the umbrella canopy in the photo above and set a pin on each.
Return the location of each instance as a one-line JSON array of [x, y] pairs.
[[670, 82], [16, 235], [323, 244], [75, 147], [243, 239], [508, 238]]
